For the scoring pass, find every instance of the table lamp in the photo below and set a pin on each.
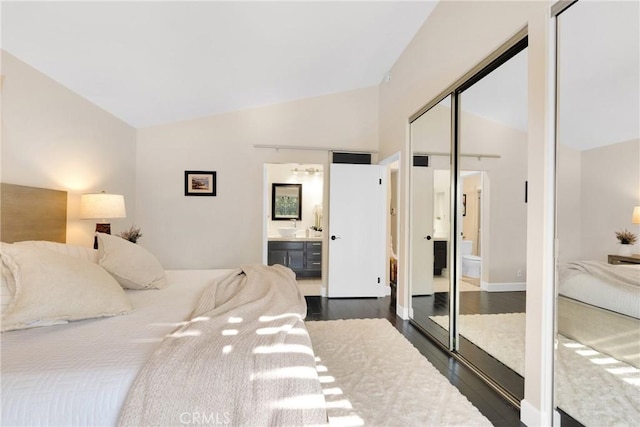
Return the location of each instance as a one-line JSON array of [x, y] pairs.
[[635, 218], [102, 206]]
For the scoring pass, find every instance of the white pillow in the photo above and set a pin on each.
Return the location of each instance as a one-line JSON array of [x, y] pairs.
[[82, 252], [53, 288], [132, 265], [8, 285]]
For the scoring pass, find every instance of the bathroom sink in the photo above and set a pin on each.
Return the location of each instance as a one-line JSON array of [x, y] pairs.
[[287, 231]]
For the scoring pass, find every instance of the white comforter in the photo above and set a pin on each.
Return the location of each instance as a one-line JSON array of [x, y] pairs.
[[79, 374], [612, 287]]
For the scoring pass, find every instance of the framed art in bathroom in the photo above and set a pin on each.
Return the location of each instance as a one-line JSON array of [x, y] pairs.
[[199, 183], [286, 202]]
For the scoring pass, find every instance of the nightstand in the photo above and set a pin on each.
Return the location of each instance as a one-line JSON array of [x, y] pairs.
[[619, 259]]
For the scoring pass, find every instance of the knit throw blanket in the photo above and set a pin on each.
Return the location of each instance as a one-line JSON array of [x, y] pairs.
[[244, 359]]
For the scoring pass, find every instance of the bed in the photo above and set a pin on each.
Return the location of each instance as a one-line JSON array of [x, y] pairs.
[[599, 305], [178, 347]]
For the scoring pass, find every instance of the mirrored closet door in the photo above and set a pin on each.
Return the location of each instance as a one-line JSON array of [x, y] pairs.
[[597, 360], [492, 220], [468, 219], [430, 220]]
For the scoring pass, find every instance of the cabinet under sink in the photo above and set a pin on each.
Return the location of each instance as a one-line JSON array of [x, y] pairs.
[[303, 257]]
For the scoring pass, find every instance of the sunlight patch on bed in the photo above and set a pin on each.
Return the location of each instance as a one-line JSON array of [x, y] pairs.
[[624, 370], [632, 381], [326, 379], [235, 319], [279, 317], [573, 345], [587, 353], [604, 361], [333, 391], [305, 401], [283, 348], [321, 368], [200, 319], [290, 372], [229, 332], [182, 334], [227, 349]]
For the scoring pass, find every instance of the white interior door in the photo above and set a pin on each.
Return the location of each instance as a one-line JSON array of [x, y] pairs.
[[422, 231], [357, 230]]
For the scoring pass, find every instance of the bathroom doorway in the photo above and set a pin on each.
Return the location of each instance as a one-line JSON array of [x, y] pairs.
[[471, 227], [294, 220]]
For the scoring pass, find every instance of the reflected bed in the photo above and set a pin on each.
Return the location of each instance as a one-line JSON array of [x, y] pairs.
[[599, 306]]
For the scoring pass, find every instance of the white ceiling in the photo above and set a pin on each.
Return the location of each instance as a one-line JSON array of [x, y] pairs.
[[155, 62]]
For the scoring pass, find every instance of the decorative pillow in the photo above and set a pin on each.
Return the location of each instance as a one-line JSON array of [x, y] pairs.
[[52, 288], [132, 266], [82, 252]]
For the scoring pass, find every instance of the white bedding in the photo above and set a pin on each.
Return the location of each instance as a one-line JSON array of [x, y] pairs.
[[596, 291], [89, 365]]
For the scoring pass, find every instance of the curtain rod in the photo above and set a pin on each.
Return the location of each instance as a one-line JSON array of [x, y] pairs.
[[479, 156], [301, 147]]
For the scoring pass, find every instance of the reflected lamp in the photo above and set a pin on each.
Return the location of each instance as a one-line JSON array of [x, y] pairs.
[[635, 218], [102, 206]]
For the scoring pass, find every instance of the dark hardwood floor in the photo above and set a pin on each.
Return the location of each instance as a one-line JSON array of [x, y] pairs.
[[490, 404]]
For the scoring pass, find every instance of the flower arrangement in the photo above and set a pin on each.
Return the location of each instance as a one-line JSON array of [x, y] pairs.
[[132, 234], [317, 218], [626, 237]]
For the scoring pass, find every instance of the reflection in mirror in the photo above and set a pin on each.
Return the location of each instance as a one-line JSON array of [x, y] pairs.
[[430, 218], [493, 223], [597, 188]]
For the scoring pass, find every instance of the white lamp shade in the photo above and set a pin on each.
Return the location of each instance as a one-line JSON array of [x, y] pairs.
[[102, 206], [635, 219]]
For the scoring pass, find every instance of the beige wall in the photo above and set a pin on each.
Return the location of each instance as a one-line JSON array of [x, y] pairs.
[[227, 230], [456, 37], [53, 138]]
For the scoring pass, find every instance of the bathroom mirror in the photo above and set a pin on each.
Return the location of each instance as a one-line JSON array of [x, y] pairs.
[[286, 201]]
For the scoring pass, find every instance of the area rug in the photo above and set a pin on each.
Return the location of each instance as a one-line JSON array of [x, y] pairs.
[[592, 387], [372, 375]]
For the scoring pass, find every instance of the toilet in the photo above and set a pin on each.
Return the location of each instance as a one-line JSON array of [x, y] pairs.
[[470, 263]]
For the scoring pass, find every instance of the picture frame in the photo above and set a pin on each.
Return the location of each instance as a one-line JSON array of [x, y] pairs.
[[286, 202], [200, 183], [464, 205]]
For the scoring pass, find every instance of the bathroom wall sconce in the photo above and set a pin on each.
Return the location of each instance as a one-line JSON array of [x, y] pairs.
[[102, 206], [307, 171], [635, 217]]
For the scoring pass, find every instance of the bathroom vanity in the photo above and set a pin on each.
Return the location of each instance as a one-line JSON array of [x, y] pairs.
[[301, 254], [439, 256]]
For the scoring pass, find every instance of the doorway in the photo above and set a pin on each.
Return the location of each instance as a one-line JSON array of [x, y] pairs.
[[295, 240]]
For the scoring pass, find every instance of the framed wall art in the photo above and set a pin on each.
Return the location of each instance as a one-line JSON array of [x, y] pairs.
[[199, 183], [286, 201]]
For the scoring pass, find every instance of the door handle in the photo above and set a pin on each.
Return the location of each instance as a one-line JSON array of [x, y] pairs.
[[334, 237], [428, 237]]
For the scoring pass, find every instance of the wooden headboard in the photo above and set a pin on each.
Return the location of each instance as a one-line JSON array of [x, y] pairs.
[[31, 213]]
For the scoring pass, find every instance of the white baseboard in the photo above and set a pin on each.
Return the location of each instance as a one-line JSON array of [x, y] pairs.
[[503, 287], [529, 415], [323, 291], [387, 290], [402, 312], [532, 417]]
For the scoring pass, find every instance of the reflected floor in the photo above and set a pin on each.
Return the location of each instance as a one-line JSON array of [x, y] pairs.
[[479, 302]]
